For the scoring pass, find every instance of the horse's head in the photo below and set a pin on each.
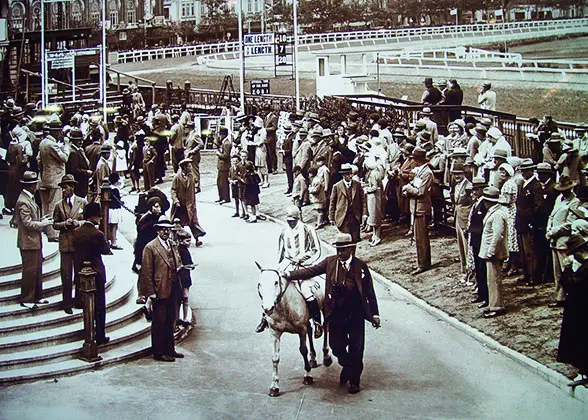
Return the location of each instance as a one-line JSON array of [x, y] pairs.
[[270, 288]]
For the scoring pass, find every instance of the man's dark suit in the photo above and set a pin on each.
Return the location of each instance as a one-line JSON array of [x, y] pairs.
[[528, 202], [159, 277], [223, 165], [349, 300], [78, 165], [90, 244], [93, 154], [346, 208], [542, 248]]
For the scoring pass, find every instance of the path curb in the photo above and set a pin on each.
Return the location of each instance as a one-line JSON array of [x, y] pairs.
[[555, 378]]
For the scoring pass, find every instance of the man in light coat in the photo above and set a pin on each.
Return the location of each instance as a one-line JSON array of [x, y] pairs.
[[494, 249], [158, 280], [30, 224], [419, 192], [52, 159]]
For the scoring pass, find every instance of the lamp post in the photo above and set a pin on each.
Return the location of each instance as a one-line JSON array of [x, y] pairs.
[[87, 283]]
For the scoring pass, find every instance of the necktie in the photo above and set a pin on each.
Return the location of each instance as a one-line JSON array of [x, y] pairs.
[[69, 203], [296, 242]]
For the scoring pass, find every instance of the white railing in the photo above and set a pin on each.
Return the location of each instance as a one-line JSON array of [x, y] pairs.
[[386, 35]]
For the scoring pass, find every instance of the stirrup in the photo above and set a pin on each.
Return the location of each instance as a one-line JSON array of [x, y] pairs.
[[262, 325]]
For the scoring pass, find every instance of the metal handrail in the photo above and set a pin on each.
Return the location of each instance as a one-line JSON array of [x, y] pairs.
[[136, 78]]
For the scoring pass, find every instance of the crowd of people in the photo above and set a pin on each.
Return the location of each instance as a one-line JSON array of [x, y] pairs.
[[353, 165]]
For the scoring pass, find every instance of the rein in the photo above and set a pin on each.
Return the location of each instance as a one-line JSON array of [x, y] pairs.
[[282, 290]]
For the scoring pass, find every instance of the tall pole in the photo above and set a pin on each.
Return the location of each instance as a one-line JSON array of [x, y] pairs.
[[241, 57], [43, 59], [296, 74], [103, 63]]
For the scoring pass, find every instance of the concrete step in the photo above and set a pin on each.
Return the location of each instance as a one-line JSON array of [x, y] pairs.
[[10, 289], [122, 325], [117, 296], [111, 354], [11, 311], [59, 318]]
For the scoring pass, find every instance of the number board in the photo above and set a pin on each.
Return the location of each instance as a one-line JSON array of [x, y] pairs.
[[282, 50], [260, 87]]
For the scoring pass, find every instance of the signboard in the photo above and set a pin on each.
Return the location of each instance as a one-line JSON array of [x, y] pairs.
[[260, 87], [256, 39], [282, 53], [60, 59], [259, 44]]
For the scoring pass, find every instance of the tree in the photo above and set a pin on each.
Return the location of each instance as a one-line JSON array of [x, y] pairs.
[[219, 19], [323, 14]]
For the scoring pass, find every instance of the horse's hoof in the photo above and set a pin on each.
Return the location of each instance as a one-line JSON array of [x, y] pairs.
[[327, 361], [308, 380], [274, 392], [313, 364]]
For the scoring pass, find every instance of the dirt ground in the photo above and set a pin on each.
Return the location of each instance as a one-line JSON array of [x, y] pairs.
[[529, 326]]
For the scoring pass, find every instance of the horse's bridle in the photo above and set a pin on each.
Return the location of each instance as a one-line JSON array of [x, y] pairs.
[[282, 289]]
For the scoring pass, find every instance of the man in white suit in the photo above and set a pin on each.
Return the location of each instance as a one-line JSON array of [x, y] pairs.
[[494, 249]]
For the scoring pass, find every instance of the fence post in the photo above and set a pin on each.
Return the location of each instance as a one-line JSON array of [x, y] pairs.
[[169, 91], [87, 283], [187, 87], [105, 199]]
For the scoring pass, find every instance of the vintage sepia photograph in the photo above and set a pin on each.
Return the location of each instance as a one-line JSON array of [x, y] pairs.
[[279, 209]]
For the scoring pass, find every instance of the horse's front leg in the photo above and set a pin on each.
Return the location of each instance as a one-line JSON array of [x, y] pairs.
[[312, 359], [275, 388], [308, 380], [327, 360]]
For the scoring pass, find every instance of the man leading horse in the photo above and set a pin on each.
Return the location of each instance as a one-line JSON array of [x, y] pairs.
[[299, 246]]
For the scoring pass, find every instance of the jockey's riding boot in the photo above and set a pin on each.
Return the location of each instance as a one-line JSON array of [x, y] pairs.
[[262, 325], [315, 313]]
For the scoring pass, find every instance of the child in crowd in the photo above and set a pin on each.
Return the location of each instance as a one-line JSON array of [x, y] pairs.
[[115, 213], [251, 191], [120, 164], [242, 171], [234, 180], [300, 189], [317, 194], [184, 239]]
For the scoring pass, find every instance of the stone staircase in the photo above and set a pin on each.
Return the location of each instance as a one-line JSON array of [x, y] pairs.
[[46, 343]]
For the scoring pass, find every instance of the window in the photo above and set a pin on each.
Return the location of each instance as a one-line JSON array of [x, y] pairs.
[[95, 11], [17, 15], [131, 16], [113, 18], [76, 11]]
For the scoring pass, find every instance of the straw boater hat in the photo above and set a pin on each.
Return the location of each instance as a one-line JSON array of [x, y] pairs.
[[345, 169], [163, 223], [343, 240], [313, 116], [29, 177], [544, 167], [426, 111], [555, 138], [184, 161], [527, 165], [67, 179], [500, 154], [491, 194], [565, 183], [479, 182], [327, 133]]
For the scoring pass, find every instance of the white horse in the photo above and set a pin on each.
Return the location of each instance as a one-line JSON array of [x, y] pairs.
[[286, 311]]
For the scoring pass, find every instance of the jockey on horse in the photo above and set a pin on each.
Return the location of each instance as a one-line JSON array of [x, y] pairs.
[[299, 246]]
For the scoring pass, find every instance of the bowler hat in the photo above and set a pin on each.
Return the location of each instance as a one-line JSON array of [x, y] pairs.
[[29, 177], [92, 210], [67, 179], [163, 223], [491, 194], [76, 134], [343, 240], [565, 183]]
